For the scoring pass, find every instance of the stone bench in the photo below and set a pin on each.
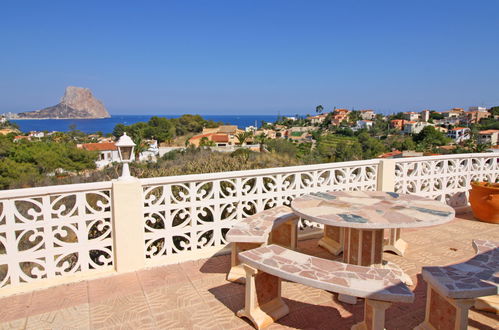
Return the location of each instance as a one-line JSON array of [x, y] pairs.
[[266, 266], [452, 289], [277, 225]]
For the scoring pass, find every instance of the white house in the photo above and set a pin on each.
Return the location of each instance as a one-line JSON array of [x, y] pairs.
[[367, 114], [108, 152], [364, 124], [411, 116], [459, 134], [151, 153], [35, 134], [414, 127], [490, 136], [425, 115]]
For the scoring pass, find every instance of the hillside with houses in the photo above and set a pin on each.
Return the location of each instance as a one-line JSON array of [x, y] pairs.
[[190, 144]]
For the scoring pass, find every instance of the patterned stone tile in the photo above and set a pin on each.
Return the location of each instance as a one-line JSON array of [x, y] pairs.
[[14, 307], [216, 288], [17, 324], [172, 297], [215, 266], [153, 278], [120, 310], [75, 317], [113, 286], [195, 295], [59, 297]]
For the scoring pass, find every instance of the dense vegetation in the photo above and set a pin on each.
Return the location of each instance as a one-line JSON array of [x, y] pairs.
[[164, 129], [26, 163], [56, 159]]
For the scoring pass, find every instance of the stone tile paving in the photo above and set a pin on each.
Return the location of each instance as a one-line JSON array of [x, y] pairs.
[[195, 295]]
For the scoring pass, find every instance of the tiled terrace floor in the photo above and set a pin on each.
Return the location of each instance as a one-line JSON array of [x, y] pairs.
[[195, 295]]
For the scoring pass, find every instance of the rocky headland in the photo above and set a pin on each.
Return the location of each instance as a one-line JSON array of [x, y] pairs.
[[77, 103]]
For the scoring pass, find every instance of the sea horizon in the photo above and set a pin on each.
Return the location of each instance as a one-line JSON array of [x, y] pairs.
[[106, 125]]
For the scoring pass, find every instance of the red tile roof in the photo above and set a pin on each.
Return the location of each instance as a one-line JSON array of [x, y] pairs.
[[390, 154], [489, 131], [220, 138], [105, 146]]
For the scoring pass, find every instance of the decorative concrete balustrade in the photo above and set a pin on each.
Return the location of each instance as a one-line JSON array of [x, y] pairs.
[[52, 235]]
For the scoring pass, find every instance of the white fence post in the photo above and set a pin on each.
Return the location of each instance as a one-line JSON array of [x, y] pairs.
[[386, 175], [128, 225]]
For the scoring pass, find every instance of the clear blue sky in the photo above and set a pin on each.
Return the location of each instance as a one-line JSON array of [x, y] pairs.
[[250, 57]]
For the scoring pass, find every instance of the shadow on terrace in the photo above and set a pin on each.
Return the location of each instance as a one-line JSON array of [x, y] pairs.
[[196, 295]]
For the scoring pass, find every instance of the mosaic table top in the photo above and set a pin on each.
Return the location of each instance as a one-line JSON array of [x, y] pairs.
[[371, 209], [364, 282], [477, 277], [256, 228]]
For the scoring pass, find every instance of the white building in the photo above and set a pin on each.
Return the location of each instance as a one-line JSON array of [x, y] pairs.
[[459, 134], [108, 152], [367, 114], [364, 124], [414, 127], [35, 134], [425, 115], [411, 116], [490, 136], [481, 109]]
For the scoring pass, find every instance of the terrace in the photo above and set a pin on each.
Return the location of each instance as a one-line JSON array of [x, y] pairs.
[[151, 253]]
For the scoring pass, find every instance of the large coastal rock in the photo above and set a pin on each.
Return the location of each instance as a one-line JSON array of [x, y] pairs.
[[77, 103]]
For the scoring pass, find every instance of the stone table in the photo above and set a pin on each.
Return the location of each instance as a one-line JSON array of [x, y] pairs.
[[354, 220]]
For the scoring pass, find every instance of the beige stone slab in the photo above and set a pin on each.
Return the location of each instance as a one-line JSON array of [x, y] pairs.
[[113, 286], [119, 310], [75, 317], [14, 324], [59, 297], [15, 307], [172, 297]]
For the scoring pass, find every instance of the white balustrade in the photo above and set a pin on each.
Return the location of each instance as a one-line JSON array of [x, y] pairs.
[[50, 233], [189, 213], [445, 178], [54, 231]]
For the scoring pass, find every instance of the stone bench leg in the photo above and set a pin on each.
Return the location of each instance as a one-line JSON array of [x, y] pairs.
[[394, 243], [445, 313], [374, 315], [263, 302], [332, 239], [237, 273], [285, 235]]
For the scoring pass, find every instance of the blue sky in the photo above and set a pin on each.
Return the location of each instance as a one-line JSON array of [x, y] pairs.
[[250, 57]]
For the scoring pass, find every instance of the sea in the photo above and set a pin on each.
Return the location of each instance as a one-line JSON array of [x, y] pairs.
[[106, 125]]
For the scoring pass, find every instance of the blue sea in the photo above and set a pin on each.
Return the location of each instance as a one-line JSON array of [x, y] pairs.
[[107, 125]]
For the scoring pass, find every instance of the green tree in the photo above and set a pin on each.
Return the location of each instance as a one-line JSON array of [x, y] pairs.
[[430, 137], [242, 137], [261, 139], [319, 108], [205, 142]]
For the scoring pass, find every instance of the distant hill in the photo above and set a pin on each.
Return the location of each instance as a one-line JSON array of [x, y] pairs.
[[77, 103]]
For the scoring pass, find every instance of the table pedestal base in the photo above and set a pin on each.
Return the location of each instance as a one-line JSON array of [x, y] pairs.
[[394, 243], [363, 247], [332, 239]]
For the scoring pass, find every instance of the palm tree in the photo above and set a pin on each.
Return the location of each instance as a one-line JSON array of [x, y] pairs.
[[261, 139], [140, 146], [242, 137], [319, 108]]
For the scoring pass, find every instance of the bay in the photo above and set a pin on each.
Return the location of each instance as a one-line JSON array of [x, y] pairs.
[[106, 125]]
